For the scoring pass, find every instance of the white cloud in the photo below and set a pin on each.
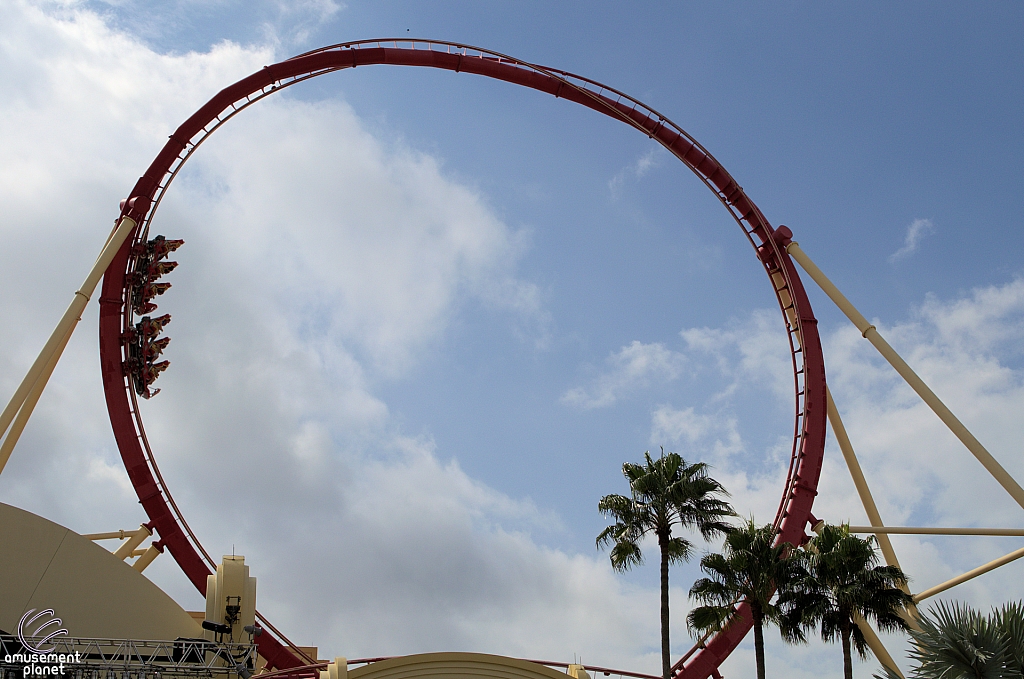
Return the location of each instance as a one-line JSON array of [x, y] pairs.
[[633, 367], [321, 9], [283, 23], [753, 351], [718, 433], [918, 229], [91, 107], [635, 170], [295, 20], [967, 350], [377, 246], [319, 262], [420, 541]]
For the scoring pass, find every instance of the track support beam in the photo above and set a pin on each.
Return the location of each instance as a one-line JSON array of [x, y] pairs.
[[21, 405], [924, 530], [888, 553], [134, 539], [876, 645], [839, 429], [916, 383], [969, 575]]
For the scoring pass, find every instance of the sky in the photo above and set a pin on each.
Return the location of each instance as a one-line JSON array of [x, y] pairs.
[[421, 319]]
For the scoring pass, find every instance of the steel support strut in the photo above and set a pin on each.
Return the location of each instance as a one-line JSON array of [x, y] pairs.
[[15, 416], [870, 333]]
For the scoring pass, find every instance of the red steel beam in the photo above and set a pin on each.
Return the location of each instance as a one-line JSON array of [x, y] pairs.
[[115, 313]]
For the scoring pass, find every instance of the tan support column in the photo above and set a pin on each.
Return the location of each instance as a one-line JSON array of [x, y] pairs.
[[839, 429], [112, 535], [29, 404], [134, 540], [970, 575], [911, 378], [888, 553], [916, 530], [876, 645], [338, 669], [577, 672], [146, 558], [25, 397]]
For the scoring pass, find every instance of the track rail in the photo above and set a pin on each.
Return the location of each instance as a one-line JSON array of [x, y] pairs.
[[768, 243]]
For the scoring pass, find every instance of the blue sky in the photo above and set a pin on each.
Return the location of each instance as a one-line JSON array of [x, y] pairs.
[[422, 318]]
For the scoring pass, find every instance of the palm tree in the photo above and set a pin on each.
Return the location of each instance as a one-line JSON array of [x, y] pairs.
[[751, 568], [837, 578], [1011, 619], [958, 641], [664, 493]]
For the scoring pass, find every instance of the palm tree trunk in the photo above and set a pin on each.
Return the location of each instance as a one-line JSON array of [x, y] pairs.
[[847, 656], [759, 641], [666, 656]]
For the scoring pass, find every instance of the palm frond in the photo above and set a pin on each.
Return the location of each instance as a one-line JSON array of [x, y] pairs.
[[678, 550], [956, 640], [713, 592], [625, 554], [704, 619], [1010, 619]]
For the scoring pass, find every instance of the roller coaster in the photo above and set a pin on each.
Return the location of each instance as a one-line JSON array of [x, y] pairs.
[[133, 260]]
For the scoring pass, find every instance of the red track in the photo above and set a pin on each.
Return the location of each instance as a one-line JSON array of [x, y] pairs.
[[116, 316]]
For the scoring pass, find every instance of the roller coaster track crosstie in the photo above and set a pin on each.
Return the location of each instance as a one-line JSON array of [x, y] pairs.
[[117, 309]]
